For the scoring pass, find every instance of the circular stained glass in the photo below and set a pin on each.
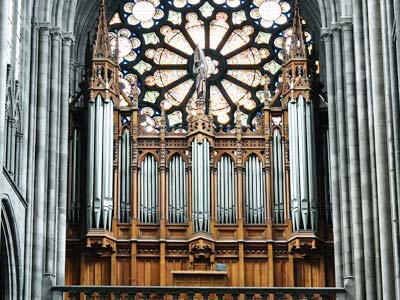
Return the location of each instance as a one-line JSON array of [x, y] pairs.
[[143, 11], [159, 45], [270, 10]]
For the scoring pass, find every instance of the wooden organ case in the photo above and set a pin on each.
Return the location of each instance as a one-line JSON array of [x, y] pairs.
[[201, 207]]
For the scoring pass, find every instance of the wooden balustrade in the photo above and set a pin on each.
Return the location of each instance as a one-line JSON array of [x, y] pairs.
[[195, 293]]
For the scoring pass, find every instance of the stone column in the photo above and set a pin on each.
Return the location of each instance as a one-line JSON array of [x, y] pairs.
[[396, 6], [40, 195], [372, 158], [382, 168], [52, 154], [3, 71], [334, 164], [30, 145], [343, 160], [392, 118], [63, 159], [364, 152], [354, 161]]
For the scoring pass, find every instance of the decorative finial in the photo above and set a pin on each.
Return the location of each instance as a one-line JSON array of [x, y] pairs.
[[297, 45], [102, 48]]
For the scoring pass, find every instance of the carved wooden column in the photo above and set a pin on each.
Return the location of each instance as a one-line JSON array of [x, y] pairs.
[[163, 199], [134, 190]]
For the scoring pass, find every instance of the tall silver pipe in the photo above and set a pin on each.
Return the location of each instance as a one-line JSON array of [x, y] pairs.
[[311, 159], [91, 164], [104, 175], [281, 201], [98, 167], [275, 174]]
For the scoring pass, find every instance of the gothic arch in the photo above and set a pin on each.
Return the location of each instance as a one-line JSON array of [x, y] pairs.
[[10, 264]]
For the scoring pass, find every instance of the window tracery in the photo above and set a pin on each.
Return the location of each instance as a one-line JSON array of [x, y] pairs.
[[242, 42]]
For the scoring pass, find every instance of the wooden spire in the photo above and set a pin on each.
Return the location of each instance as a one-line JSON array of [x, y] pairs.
[[297, 45], [102, 48], [295, 70], [104, 79]]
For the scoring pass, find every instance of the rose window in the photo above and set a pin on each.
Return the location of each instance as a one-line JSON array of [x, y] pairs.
[[242, 45]]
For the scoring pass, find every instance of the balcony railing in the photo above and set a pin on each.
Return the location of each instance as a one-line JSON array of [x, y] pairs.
[[195, 293]]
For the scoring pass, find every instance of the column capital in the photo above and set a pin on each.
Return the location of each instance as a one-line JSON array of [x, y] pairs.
[[44, 29], [67, 38], [55, 34], [346, 23], [326, 33], [337, 30]]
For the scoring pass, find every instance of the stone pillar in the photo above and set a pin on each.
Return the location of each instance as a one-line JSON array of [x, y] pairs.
[[63, 159], [334, 164], [3, 72], [396, 6], [354, 160], [30, 145], [382, 168], [364, 152], [343, 160], [40, 195], [52, 154], [372, 152], [392, 117]]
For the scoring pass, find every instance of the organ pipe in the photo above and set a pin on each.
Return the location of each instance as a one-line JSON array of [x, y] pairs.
[[100, 162], [326, 162], [226, 201], [177, 191], [303, 196], [255, 191], [201, 185], [149, 186], [75, 178], [278, 177], [125, 207]]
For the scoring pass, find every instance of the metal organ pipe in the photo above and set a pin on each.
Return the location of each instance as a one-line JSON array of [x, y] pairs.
[[255, 191], [312, 171], [177, 191], [149, 190], [125, 178], [302, 165], [226, 202], [281, 208], [294, 174], [201, 185], [100, 164]]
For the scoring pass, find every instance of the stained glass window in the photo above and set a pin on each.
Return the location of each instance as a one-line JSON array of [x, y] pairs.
[[242, 42]]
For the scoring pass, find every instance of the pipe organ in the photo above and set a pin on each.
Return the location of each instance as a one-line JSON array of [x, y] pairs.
[[149, 190], [125, 189], [177, 191], [201, 185], [166, 204], [255, 191], [226, 187], [278, 177]]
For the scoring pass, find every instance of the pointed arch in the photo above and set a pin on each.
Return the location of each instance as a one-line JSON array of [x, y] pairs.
[[10, 263]]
